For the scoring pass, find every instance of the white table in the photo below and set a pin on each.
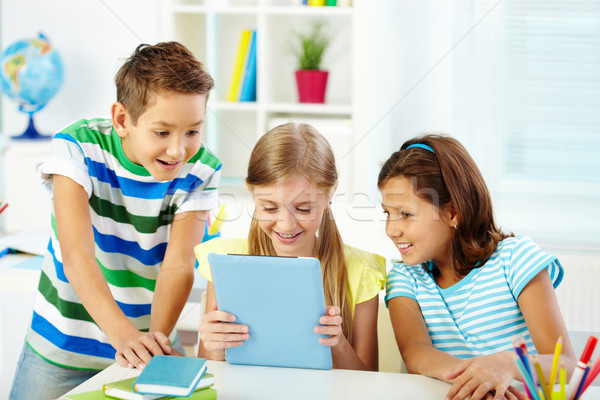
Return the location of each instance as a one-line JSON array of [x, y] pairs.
[[249, 382]]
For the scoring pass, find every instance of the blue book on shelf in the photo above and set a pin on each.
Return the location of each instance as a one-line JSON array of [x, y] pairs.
[[170, 376], [248, 91]]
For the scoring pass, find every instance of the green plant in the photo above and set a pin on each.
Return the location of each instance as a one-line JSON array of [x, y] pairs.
[[310, 47]]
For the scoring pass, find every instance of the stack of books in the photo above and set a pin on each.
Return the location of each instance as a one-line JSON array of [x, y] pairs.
[[165, 377], [242, 86]]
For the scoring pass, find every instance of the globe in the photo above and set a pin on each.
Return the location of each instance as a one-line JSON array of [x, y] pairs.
[[31, 73]]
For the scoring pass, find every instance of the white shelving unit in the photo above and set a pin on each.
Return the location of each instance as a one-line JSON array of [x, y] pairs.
[[211, 30]]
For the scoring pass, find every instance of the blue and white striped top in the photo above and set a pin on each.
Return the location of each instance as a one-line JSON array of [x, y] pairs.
[[478, 315]]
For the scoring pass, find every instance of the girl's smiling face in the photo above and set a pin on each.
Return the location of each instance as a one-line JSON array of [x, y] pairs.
[[290, 213], [420, 230]]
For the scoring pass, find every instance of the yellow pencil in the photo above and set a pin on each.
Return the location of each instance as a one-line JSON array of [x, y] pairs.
[[540, 373], [557, 350], [216, 225], [563, 381]]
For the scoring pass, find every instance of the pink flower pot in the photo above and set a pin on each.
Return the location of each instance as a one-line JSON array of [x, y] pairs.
[[312, 85]]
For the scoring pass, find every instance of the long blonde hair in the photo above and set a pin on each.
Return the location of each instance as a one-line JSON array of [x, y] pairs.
[[291, 150]]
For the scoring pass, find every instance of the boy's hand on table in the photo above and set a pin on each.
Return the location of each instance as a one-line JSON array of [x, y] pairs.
[[479, 377], [136, 350]]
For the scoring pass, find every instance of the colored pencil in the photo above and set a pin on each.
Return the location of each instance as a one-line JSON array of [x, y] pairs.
[[542, 379], [529, 385], [563, 381], [3, 208], [592, 375], [218, 222], [519, 352], [581, 383], [581, 367], [554, 369]]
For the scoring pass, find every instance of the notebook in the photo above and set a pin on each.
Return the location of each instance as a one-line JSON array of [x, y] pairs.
[[170, 376], [281, 300]]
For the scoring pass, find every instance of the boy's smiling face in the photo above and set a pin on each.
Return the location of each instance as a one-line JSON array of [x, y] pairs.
[[166, 136]]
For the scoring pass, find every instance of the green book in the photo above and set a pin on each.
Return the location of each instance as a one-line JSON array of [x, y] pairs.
[[123, 389], [199, 394]]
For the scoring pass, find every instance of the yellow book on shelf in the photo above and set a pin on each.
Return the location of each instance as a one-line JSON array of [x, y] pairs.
[[233, 94]]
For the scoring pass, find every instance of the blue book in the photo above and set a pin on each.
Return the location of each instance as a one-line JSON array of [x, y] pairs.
[[170, 376], [248, 91]]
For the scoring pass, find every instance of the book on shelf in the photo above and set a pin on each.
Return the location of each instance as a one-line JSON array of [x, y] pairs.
[[238, 66], [248, 90], [123, 389], [170, 376]]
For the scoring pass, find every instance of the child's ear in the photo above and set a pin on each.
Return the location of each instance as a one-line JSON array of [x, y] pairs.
[[119, 118], [453, 216]]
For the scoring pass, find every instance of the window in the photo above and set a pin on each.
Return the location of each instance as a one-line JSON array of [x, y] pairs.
[[527, 100]]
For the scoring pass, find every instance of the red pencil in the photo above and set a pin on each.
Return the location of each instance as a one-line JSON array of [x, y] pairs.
[[3, 208], [592, 375]]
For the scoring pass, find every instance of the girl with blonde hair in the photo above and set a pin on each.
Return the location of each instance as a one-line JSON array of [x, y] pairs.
[[292, 178]]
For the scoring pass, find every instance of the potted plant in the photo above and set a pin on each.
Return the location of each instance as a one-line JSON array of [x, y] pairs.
[[309, 49]]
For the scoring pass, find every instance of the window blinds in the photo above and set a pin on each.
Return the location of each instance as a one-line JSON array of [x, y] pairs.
[[527, 76]]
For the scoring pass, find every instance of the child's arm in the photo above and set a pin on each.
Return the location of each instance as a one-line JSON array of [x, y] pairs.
[[491, 372], [176, 276], [539, 306], [544, 320], [77, 245], [217, 332], [361, 354], [414, 343]]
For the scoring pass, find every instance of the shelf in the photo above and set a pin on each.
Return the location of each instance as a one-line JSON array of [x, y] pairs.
[[211, 29], [249, 106], [223, 9], [268, 10], [304, 10], [305, 108]]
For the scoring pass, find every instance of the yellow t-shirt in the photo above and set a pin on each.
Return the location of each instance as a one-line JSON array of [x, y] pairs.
[[366, 271]]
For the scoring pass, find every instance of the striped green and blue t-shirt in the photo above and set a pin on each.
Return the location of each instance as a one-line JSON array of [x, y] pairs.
[[478, 315], [131, 216]]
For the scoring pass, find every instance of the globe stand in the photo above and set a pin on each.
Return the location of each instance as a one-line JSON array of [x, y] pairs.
[[31, 133]]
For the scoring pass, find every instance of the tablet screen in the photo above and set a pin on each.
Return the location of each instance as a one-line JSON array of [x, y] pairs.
[[281, 300]]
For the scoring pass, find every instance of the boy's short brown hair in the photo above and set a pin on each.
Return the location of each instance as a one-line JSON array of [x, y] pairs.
[[166, 66]]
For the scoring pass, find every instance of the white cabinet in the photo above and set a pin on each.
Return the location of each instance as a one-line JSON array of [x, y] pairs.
[[211, 29], [29, 203]]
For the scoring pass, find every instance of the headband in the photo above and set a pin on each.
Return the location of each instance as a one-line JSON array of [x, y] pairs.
[[422, 146]]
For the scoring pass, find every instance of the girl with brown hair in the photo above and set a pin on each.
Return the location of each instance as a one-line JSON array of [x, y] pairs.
[[464, 290]]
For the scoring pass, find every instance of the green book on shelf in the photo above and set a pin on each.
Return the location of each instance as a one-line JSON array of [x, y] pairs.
[[123, 389]]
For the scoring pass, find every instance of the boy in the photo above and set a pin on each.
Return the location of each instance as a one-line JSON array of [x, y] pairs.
[[130, 198]]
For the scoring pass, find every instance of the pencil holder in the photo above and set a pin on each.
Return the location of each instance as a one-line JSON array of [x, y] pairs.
[[557, 395]]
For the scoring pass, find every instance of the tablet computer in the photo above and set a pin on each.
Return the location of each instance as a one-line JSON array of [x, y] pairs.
[[280, 299]]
